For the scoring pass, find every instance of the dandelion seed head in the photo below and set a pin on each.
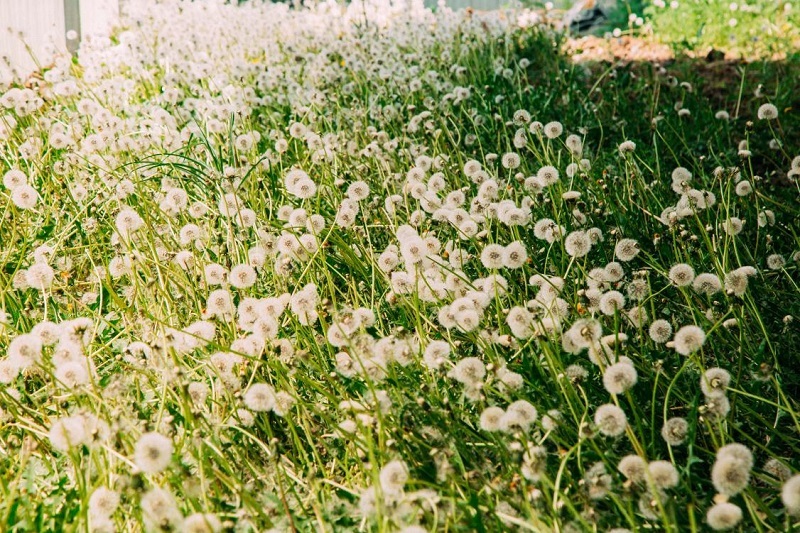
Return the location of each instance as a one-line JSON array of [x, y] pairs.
[[723, 516], [68, 432], [25, 350], [731, 471], [160, 510], [71, 374], [585, 332], [638, 316], [681, 275], [551, 130], [714, 382], [738, 451], [103, 502], [627, 147], [436, 354], [619, 378], [201, 523], [597, 481], [662, 474], [24, 196], [790, 495], [717, 408], [153, 453], [393, 476], [242, 276], [14, 178], [610, 420], [47, 331], [469, 371], [519, 415], [521, 117], [198, 392], [626, 250], [358, 190], [733, 226], [767, 112], [128, 221], [511, 160], [706, 283], [633, 468], [611, 302], [574, 145], [471, 168], [577, 244], [744, 188], [260, 397], [283, 403], [220, 303], [492, 419], [689, 339], [637, 289], [675, 430], [774, 262], [777, 469], [492, 256], [547, 175]]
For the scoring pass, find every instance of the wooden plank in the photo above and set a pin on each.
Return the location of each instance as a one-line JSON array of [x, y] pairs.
[[480, 5], [30, 35], [33, 32]]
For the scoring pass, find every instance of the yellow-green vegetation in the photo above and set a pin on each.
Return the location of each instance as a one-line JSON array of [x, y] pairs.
[[373, 268]]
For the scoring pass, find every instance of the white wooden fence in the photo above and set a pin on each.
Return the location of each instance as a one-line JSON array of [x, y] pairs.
[[33, 32], [481, 5]]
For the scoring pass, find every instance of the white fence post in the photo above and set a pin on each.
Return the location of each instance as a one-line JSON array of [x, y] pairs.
[[72, 24]]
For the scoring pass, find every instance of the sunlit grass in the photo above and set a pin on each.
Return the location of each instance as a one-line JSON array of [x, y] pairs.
[[408, 271]]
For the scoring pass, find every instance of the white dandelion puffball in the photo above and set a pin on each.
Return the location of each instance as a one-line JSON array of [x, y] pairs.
[[767, 112], [14, 178], [260, 397], [242, 276], [153, 453], [790, 495], [24, 197], [626, 249], [610, 420], [627, 147], [619, 377], [723, 516], [553, 129], [689, 339]]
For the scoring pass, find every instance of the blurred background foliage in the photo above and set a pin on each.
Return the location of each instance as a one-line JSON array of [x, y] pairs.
[[749, 29]]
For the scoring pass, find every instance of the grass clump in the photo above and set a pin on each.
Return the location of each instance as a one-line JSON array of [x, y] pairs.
[[375, 268]]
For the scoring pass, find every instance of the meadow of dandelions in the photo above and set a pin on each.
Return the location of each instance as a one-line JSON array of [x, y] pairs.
[[376, 268]]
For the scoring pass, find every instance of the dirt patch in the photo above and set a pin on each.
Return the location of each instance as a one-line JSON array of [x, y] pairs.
[[631, 49], [627, 49]]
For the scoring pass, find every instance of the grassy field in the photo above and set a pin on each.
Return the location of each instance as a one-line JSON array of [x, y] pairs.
[[750, 29], [383, 269]]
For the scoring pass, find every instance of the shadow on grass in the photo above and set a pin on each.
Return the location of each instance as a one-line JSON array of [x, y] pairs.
[[639, 82]]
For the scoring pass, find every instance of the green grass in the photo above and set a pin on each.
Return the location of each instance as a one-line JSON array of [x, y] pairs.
[[750, 29], [300, 471]]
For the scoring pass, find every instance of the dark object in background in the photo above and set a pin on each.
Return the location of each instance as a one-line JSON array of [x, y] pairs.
[[583, 16], [586, 19]]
